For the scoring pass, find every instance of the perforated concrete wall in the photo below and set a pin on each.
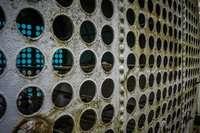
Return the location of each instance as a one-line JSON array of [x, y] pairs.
[[98, 65]]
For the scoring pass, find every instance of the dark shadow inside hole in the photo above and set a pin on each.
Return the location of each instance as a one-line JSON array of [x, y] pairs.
[[174, 116], [158, 26], [107, 8], [62, 61], [142, 101], [141, 3], [175, 6], [179, 22], [164, 13], [87, 91], [164, 77], [151, 23], [87, 120], [170, 90], [150, 6], [65, 3], [142, 41], [158, 9], [2, 18], [142, 81], [88, 5], [130, 126], [165, 29], [158, 61], [164, 108], [62, 95], [107, 61], [165, 45], [141, 20], [109, 131], [131, 61], [170, 76], [107, 114], [174, 103], [107, 88], [168, 119], [170, 3], [150, 116], [164, 93], [170, 31], [87, 61], [150, 130], [170, 61], [151, 98], [151, 61], [29, 100], [159, 44], [175, 33], [158, 78], [130, 39], [88, 31], [131, 82], [64, 124], [3, 106], [141, 121], [158, 112], [30, 61], [151, 42], [107, 35], [142, 61], [170, 46], [130, 105], [157, 127], [130, 15], [151, 80], [2, 62], [170, 16], [158, 95]]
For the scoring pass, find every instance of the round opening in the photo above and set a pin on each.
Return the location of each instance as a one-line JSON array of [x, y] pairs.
[[88, 5], [131, 105], [30, 23], [30, 61], [151, 42], [158, 9], [130, 126], [142, 61], [158, 95], [2, 19], [87, 31], [170, 16], [164, 77], [159, 44], [142, 81], [65, 3], [2, 62], [87, 120], [164, 13], [157, 127], [151, 24], [107, 88], [151, 61], [141, 3], [164, 93], [151, 80], [62, 95], [151, 98], [164, 108], [3, 106], [158, 112], [142, 101], [87, 61], [107, 8], [150, 6], [165, 29], [158, 61], [107, 35], [107, 114], [131, 83], [62, 61], [142, 40], [141, 20], [141, 121], [30, 100], [130, 15], [87, 91], [150, 116], [170, 90], [131, 61], [64, 124], [107, 61], [130, 39], [109, 131], [165, 45], [158, 26], [150, 130]]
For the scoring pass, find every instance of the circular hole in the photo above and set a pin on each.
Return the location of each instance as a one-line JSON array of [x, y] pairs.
[[130, 126], [62, 28], [3, 106], [165, 29], [158, 96], [141, 3], [157, 127], [164, 13], [131, 61], [158, 26], [158, 9], [164, 108], [165, 45], [30, 61], [170, 61], [142, 101], [107, 88], [142, 61], [87, 31], [164, 77], [107, 8], [142, 40], [174, 102], [131, 83], [107, 35], [65, 3], [151, 42], [151, 61], [88, 5], [130, 39], [168, 119], [170, 31], [107, 61], [170, 90], [87, 61], [158, 61], [107, 114], [30, 100], [150, 6], [150, 116], [151, 23], [64, 124], [2, 62], [174, 116], [151, 80], [170, 3], [169, 105], [62, 95], [164, 93], [170, 76], [142, 81], [130, 105], [175, 5], [2, 19], [170, 16], [150, 130], [158, 78], [87, 120], [159, 44], [158, 112], [30, 23], [130, 15], [177, 125], [170, 46], [141, 20], [151, 98], [109, 131], [87, 91], [141, 121], [62, 61]]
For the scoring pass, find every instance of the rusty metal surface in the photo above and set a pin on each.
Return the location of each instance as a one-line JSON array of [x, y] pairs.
[[162, 86]]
